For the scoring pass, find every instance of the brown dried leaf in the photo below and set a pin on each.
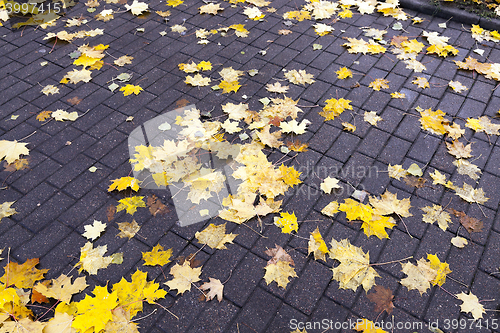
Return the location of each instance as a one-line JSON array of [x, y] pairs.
[[413, 181], [74, 101], [110, 212], [382, 297], [470, 224], [156, 206]]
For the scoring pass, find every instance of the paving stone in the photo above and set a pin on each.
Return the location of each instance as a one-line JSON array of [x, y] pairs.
[[424, 147], [257, 312], [310, 286], [244, 279], [394, 151]]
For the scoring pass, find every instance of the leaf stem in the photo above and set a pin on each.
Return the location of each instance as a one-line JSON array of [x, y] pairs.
[[390, 262]]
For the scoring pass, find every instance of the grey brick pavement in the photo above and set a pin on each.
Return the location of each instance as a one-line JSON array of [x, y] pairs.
[[57, 195]]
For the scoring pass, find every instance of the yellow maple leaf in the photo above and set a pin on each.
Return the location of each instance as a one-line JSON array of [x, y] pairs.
[[12, 150], [94, 312], [398, 95], [436, 213], [289, 175], [354, 269], [412, 46], [84, 60], [130, 89], [132, 294], [378, 84], [476, 29], [317, 245], [91, 260], [23, 276], [343, 73], [215, 236], [418, 276], [157, 256], [334, 107], [204, 66], [131, 204], [280, 273], [44, 115], [174, 3], [144, 153], [331, 209], [433, 121], [299, 77], [389, 204], [128, 229], [287, 222], [356, 211], [348, 126], [121, 322], [458, 149], [345, 13], [122, 183], [184, 276], [442, 269], [62, 288], [474, 124], [421, 82], [227, 87], [376, 226]]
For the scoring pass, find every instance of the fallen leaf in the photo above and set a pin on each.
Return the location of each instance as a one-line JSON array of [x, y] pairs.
[[279, 273], [137, 8], [299, 77], [91, 260], [74, 101], [62, 288], [6, 210], [471, 304], [328, 184], [210, 8], [157, 256], [216, 289], [130, 89], [378, 84], [215, 236], [184, 276], [93, 231], [44, 115], [12, 150], [123, 60], [287, 222], [130, 204], [22, 276], [459, 242], [61, 115], [317, 245], [156, 206], [470, 224], [50, 90], [128, 229], [354, 269], [436, 213], [382, 297]]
